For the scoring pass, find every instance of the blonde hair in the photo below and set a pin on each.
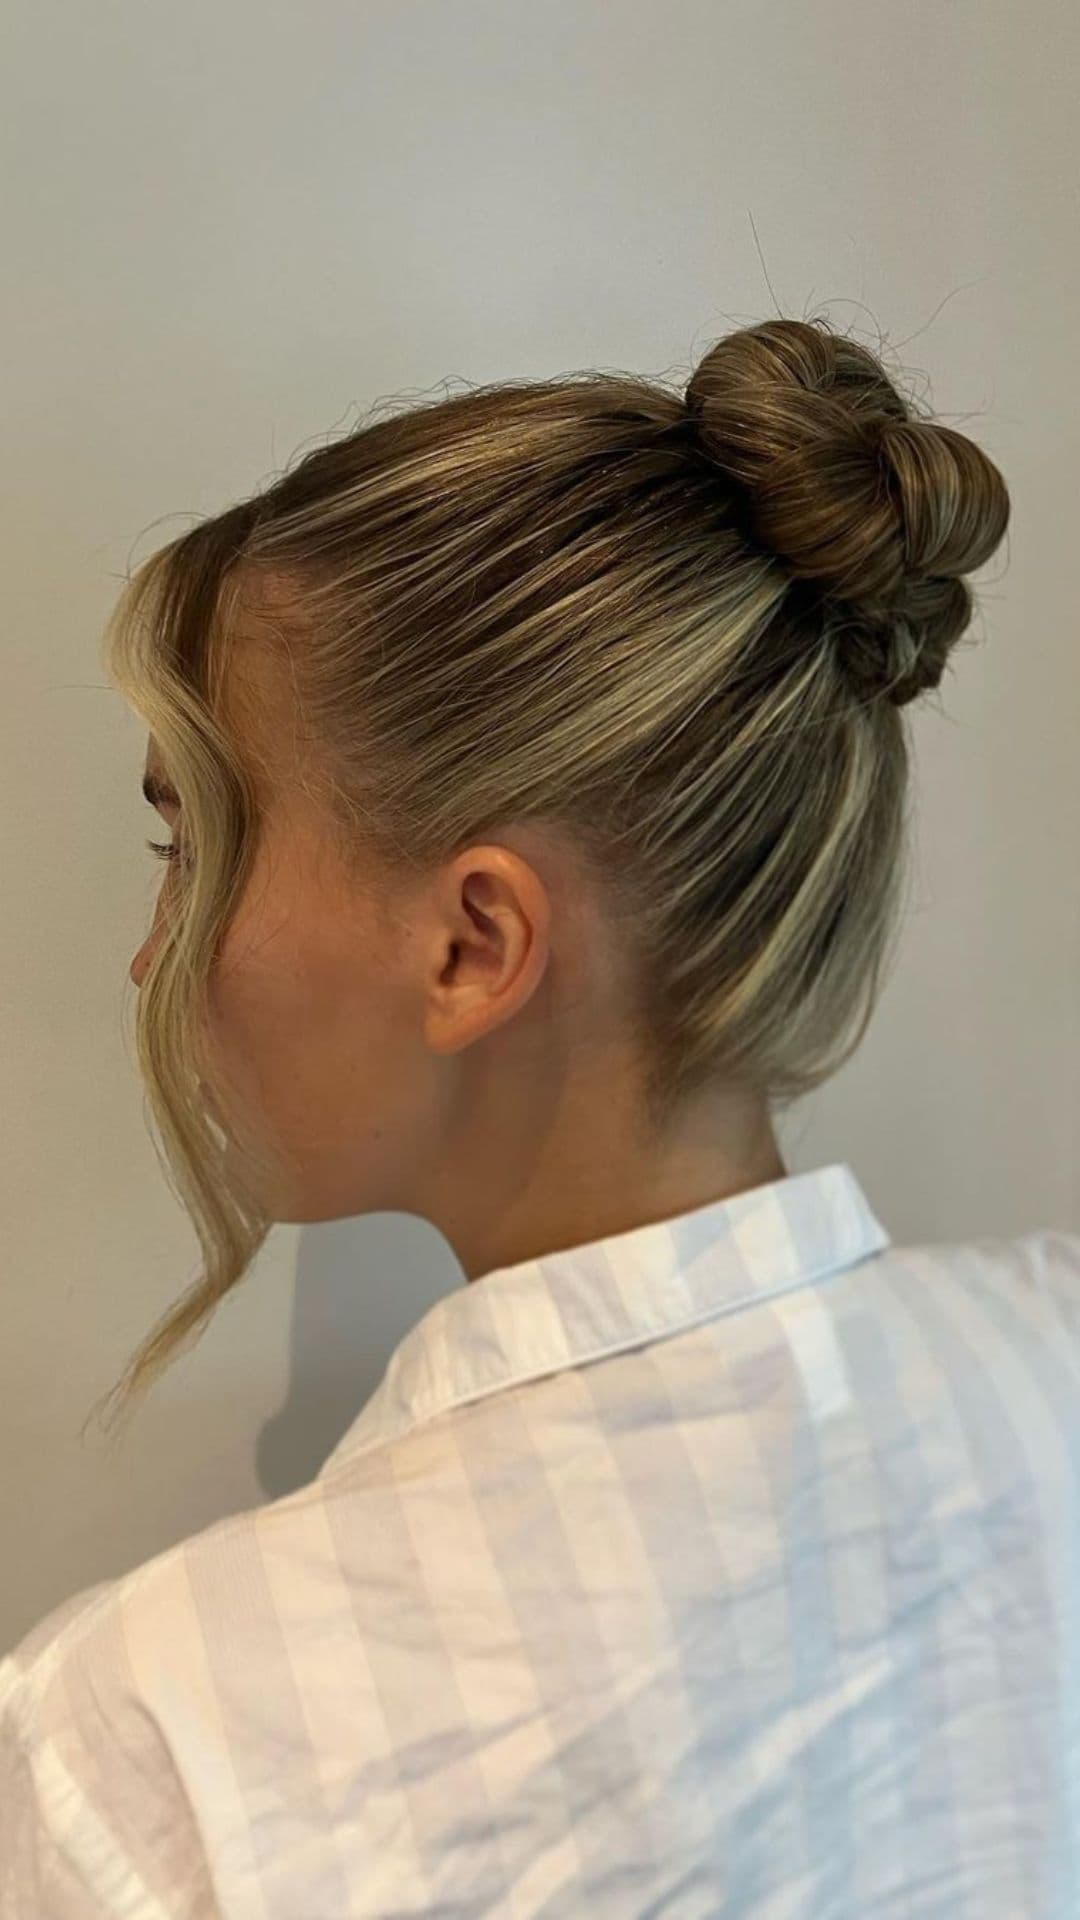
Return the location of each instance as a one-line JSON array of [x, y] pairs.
[[678, 628]]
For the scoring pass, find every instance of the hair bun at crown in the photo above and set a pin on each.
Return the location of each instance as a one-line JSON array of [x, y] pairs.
[[880, 511]]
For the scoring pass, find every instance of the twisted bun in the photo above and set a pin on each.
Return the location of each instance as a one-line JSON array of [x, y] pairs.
[[878, 511]]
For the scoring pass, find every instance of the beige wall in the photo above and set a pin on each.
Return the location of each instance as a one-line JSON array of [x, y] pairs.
[[228, 230]]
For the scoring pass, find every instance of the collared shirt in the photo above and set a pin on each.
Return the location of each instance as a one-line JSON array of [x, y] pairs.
[[726, 1566]]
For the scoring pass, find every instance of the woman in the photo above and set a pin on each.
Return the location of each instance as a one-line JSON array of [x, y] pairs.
[[535, 776]]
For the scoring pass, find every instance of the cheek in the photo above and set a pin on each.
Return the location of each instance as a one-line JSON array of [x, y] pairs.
[[249, 1008], [140, 963], [295, 1010]]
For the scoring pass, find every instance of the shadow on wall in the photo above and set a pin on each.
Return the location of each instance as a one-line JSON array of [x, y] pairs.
[[360, 1285]]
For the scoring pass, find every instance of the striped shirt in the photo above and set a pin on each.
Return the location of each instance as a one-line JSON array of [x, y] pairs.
[[726, 1566]]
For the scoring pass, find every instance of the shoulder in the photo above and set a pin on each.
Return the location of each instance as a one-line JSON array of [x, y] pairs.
[[1044, 1262], [1051, 1263], [1029, 1281], [112, 1738], [207, 1609], [109, 1621]]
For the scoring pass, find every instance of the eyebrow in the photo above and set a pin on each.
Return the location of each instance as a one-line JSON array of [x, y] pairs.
[[158, 792]]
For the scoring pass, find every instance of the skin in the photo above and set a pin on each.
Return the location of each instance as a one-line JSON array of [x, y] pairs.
[[453, 1048]]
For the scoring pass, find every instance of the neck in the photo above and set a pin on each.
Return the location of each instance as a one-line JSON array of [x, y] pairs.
[[566, 1196]]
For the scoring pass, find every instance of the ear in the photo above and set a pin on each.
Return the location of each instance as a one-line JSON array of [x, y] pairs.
[[493, 917]]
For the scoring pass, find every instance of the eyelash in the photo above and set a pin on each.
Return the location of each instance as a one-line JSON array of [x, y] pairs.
[[164, 849]]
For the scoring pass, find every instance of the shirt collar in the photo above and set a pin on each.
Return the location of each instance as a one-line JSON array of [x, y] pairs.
[[565, 1308]]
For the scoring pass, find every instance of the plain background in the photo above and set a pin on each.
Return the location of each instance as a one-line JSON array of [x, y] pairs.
[[229, 230]]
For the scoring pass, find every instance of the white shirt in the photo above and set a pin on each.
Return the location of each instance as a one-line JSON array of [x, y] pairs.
[[726, 1566]]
